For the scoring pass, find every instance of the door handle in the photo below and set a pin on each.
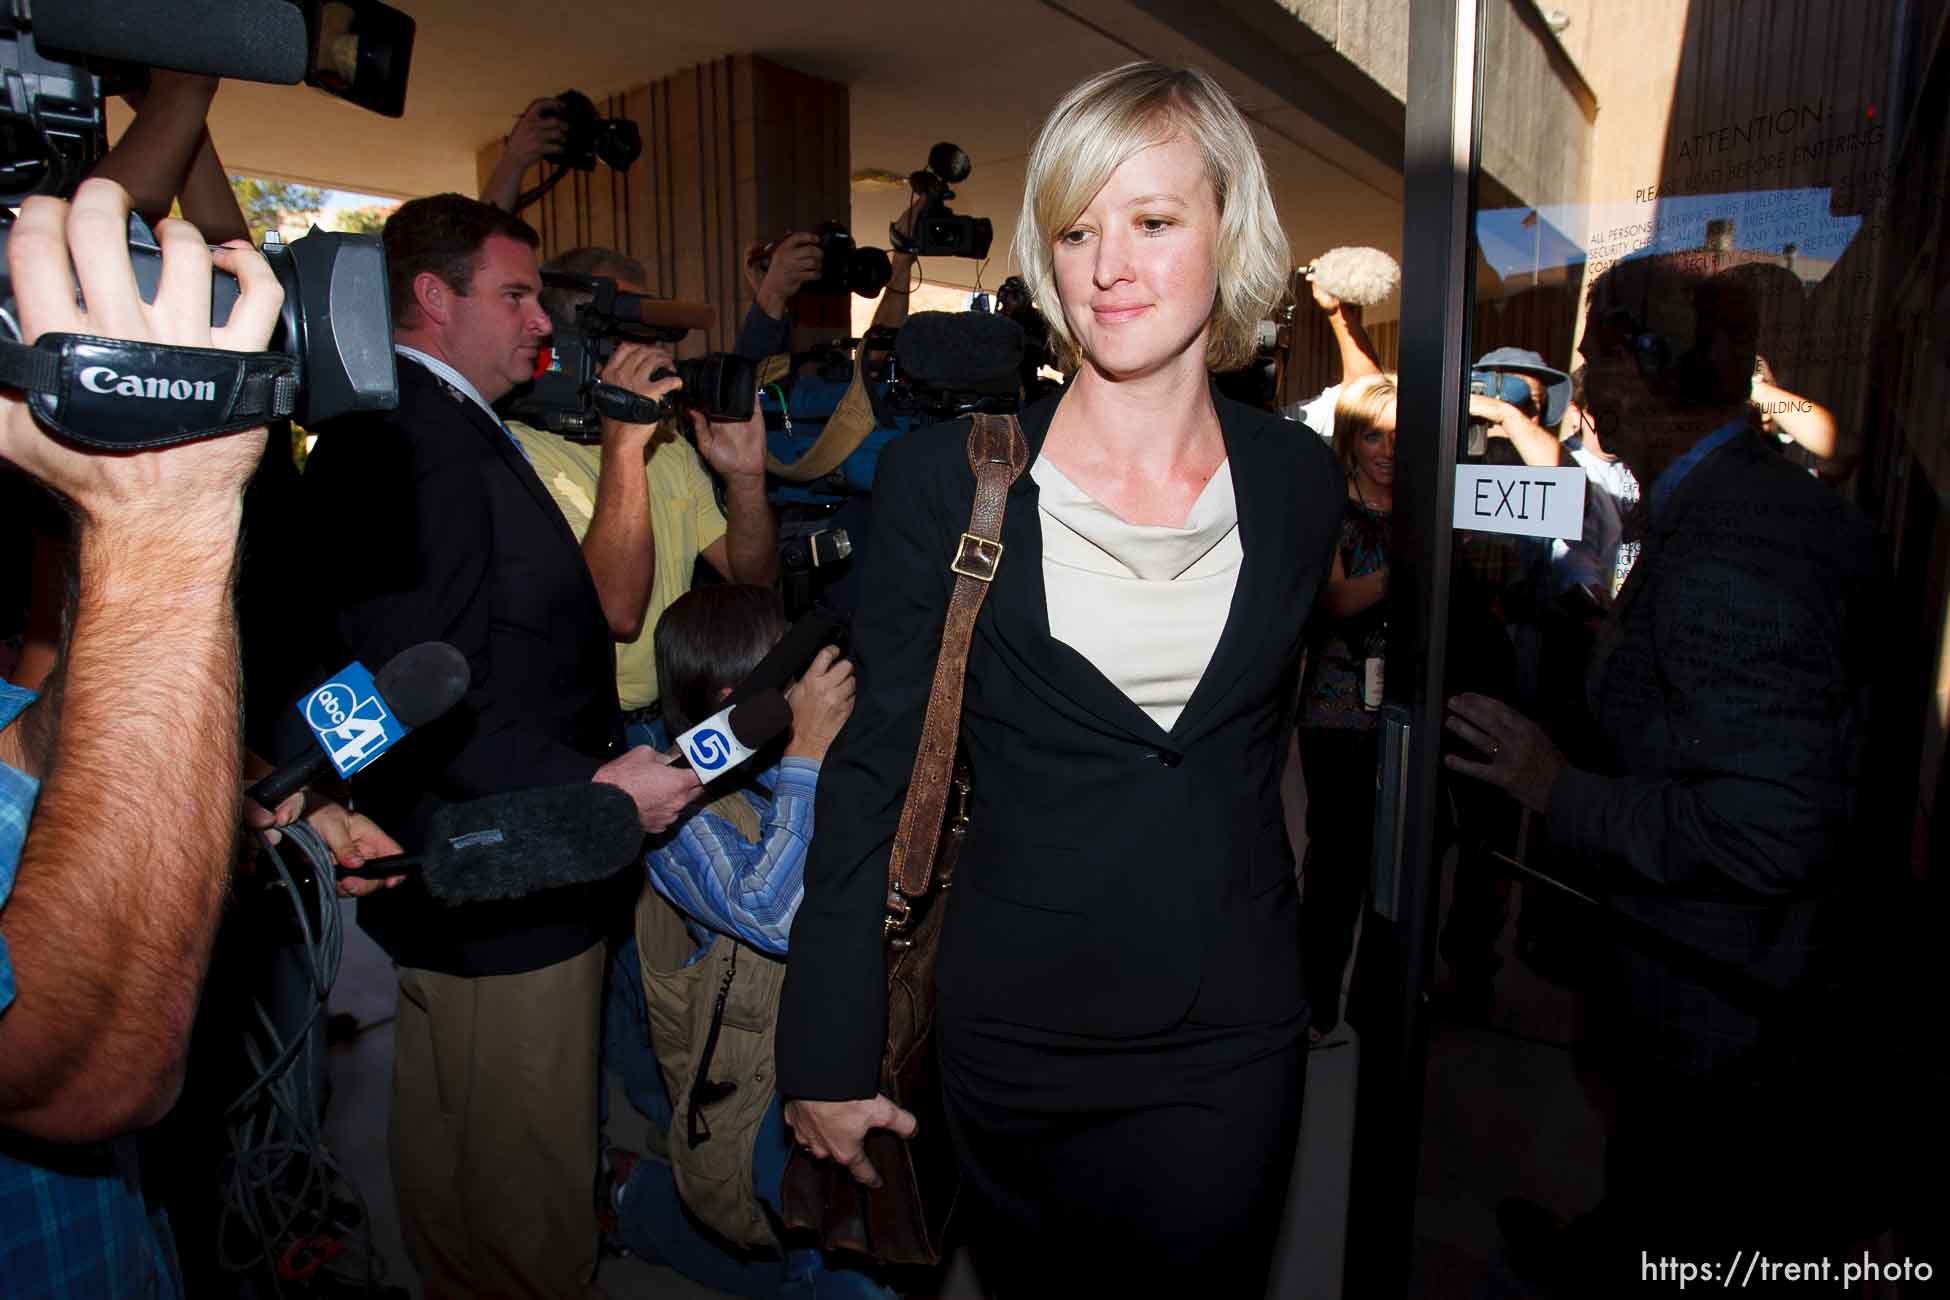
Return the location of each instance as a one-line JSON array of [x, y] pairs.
[[1391, 811]]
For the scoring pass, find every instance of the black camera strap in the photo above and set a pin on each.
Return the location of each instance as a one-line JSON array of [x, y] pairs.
[[118, 395]]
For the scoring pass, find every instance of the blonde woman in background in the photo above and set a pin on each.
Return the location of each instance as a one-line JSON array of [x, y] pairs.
[[1340, 695]]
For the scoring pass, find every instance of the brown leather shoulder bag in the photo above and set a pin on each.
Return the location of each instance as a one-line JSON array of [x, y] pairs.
[[902, 1221]]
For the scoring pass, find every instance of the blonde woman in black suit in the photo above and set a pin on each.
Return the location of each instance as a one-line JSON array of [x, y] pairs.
[[1121, 1004]]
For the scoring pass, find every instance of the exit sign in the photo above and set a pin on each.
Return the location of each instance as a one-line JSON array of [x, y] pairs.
[[1521, 500]]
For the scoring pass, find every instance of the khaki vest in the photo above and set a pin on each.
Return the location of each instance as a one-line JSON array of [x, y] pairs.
[[714, 1178]]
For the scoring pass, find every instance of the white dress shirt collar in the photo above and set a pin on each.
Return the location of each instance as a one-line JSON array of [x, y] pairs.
[[453, 378]]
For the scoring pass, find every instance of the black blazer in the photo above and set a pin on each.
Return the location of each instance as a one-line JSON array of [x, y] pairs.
[[1728, 700], [442, 531], [1116, 877]]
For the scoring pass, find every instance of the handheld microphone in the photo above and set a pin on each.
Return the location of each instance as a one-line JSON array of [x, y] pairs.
[[355, 717], [733, 734], [520, 843]]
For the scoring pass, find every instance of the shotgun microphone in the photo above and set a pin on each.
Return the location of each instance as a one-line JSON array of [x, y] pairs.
[[520, 843], [787, 659]]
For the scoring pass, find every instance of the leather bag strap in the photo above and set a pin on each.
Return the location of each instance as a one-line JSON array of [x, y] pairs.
[[997, 454], [850, 424]]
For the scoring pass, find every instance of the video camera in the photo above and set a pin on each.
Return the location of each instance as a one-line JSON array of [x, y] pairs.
[[939, 232], [335, 330], [55, 60], [566, 397]]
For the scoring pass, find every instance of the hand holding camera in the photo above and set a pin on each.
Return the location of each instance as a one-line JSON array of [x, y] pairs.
[[644, 369], [540, 132], [734, 448], [178, 488], [778, 271]]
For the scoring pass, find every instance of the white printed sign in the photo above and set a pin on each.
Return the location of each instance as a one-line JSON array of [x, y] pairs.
[[1521, 500]]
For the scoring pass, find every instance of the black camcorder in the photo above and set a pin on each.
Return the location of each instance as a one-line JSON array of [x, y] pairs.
[[62, 62], [336, 325], [939, 232], [332, 351], [567, 398]]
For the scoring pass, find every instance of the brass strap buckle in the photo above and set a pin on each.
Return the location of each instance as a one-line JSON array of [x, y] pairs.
[[978, 558], [895, 922]]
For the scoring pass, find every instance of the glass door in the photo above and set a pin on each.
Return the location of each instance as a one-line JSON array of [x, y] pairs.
[[1663, 728]]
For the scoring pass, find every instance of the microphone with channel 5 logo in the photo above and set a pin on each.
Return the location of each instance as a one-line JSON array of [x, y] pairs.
[[355, 717], [732, 735]]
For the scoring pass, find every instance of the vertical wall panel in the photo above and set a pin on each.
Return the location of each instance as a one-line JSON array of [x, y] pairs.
[[735, 151]]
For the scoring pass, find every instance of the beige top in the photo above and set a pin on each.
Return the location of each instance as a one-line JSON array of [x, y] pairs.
[[1144, 603]]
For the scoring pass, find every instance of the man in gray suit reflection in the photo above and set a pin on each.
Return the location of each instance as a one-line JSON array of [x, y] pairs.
[[1709, 803]]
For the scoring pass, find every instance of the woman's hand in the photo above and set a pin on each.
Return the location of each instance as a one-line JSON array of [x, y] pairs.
[[822, 701], [837, 1130]]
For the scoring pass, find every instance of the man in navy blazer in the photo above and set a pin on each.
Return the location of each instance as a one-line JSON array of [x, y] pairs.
[[1712, 806], [442, 531]]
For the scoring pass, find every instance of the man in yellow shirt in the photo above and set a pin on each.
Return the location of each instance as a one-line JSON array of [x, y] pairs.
[[642, 533]]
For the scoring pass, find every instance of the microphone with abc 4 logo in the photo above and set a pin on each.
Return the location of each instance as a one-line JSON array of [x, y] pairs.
[[357, 716], [733, 734]]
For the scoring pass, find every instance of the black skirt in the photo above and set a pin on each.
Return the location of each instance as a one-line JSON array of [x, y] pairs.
[[1149, 1166]]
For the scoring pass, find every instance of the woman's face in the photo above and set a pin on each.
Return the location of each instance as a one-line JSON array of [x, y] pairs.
[[1137, 273], [1374, 451]]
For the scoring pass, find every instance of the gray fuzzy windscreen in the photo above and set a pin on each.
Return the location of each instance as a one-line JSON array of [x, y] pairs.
[[522, 842], [1362, 276]]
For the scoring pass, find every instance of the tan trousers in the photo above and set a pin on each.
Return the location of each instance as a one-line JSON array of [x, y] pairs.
[[494, 1130]]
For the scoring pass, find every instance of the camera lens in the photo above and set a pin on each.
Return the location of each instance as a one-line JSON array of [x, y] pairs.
[[868, 271], [619, 143]]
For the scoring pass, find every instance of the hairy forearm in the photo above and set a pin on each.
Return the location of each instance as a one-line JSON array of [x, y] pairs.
[[619, 547], [122, 876], [751, 531]]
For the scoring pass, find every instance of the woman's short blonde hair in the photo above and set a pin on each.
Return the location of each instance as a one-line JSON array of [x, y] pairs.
[[1358, 409], [1104, 121]]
